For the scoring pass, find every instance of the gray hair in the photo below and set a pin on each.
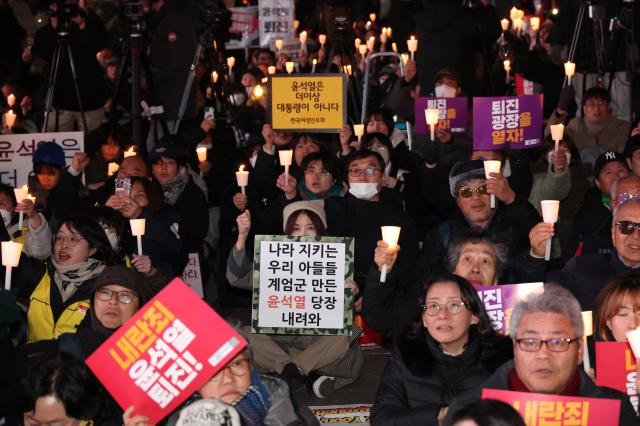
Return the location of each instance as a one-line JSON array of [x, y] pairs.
[[614, 186], [553, 299], [455, 249]]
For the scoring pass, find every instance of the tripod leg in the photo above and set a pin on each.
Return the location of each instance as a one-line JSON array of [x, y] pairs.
[[187, 89], [53, 77], [76, 87]]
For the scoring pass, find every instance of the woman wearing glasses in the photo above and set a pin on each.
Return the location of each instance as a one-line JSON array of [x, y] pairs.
[[58, 290], [452, 350]]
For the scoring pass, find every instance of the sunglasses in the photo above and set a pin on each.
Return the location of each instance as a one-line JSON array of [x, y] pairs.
[[627, 227], [468, 191]]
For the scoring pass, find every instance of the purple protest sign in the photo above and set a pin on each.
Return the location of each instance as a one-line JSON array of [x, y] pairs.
[[513, 119], [499, 300], [452, 114]]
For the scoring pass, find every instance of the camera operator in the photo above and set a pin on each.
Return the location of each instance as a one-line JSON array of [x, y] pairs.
[[86, 37]]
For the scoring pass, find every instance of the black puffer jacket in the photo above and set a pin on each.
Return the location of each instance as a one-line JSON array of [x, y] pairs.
[[420, 379]]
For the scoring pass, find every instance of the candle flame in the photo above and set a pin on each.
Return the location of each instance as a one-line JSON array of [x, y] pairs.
[[241, 169]]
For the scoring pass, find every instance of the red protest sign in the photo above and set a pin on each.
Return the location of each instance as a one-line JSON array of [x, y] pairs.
[[165, 352], [543, 409], [616, 368]]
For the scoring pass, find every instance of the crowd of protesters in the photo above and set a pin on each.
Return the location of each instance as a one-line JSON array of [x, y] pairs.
[[80, 277]]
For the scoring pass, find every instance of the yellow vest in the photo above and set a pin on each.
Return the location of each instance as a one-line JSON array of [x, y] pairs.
[[40, 317]]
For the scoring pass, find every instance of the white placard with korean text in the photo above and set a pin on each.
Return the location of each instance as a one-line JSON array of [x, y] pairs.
[[192, 275], [16, 152], [276, 20]]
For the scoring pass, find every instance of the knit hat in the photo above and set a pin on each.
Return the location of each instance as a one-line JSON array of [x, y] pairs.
[[606, 158], [315, 206], [463, 172], [49, 153], [125, 277]]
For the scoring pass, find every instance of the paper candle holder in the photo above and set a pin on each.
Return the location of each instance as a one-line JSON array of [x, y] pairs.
[[201, 152]]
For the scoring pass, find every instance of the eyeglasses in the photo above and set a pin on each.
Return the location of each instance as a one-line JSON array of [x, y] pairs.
[[468, 191], [321, 172], [71, 240], [238, 368], [124, 297], [368, 172], [432, 308], [626, 227], [557, 344]]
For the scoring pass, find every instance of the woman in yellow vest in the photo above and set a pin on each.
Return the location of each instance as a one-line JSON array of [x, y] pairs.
[[59, 289]]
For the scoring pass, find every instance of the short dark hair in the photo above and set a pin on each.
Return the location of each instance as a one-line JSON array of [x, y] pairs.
[[329, 162], [93, 233], [384, 115], [317, 222], [365, 153], [487, 412], [596, 93], [65, 378], [369, 138], [153, 191]]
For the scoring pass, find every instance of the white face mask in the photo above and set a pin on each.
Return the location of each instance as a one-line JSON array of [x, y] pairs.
[[238, 99], [444, 91], [363, 190], [550, 157], [6, 216], [249, 90]]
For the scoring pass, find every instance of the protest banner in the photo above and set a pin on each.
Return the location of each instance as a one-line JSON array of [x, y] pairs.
[[452, 114], [276, 20], [516, 120], [191, 275], [499, 301], [165, 352], [245, 26], [616, 368], [546, 409], [299, 285], [342, 415], [307, 102], [16, 152]]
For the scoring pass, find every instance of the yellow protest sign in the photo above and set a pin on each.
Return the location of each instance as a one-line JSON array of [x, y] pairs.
[[308, 102]]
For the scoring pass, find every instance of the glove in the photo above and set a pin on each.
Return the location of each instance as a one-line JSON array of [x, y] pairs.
[[567, 95], [10, 312]]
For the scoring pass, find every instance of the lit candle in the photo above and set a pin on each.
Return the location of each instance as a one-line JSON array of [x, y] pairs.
[[367, 25], [286, 155], [137, 230], [507, 67], [394, 47], [201, 152], [303, 40], [587, 321], [557, 132], [271, 69], [513, 13], [258, 91], [296, 24], [383, 36], [389, 32], [405, 58], [313, 65], [358, 130], [569, 69], [130, 152], [112, 168], [517, 25], [279, 43], [10, 259], [290, 66], [431, 116], [231, 61], [390, 235], [491, 166], [550, 210], [357, 43], [371, 43], [214, 77], [521, 14], [348, 68], [11, 100], [505, 24], [412, 45], [372, 16], [9, 118], [535, 23], [242, 178], [21, 195], [322, 38], [363, 50]]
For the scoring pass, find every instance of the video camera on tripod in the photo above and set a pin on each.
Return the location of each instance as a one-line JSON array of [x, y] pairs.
[[63, 12]]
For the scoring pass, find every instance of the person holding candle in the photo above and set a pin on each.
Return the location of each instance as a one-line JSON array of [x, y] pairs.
[[322, 179], [109, 141], [453, 338]]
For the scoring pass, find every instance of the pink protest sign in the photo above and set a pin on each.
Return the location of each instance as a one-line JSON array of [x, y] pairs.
[[516, 120], [616, 368], [165, 352], [544, 409], [452, 114]]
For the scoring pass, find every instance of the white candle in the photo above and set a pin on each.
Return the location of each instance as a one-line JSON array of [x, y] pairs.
[[21, 195], [112, 169], [214, 77], [517, 25], [357, 43], [557, 132], [242, 178], [10, 259], [569, 70], [137, 230], [286, 156], [507, 66], [383, 36], [513, 13], [372, 17], [587, 320], [303, 40], [394, 47], [290, 66], [201, 152], [271, 69], [130, 152], [358, 130], [11, 100], [258, 91], [390, 235], [313, 65], [550, 209], [412, 45], [363, 50], [279, 43], [633, 337], [9, 118], [389, 32], [431, 116], [491, 166], [371, 43], [535, 23], [231, 61], [504, 23], [322, 38], [348, 69], [405, 58]]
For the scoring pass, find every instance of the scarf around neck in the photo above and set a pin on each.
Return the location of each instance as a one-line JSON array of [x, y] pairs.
[[69, 278], [254, 403], [173, 189]]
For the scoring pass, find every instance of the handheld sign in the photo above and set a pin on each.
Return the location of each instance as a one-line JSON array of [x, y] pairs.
[[307, 102], [513, 119], [547, 409], [452, 114], [616, 368], [499, 301], [299, 285], [165, 352]]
